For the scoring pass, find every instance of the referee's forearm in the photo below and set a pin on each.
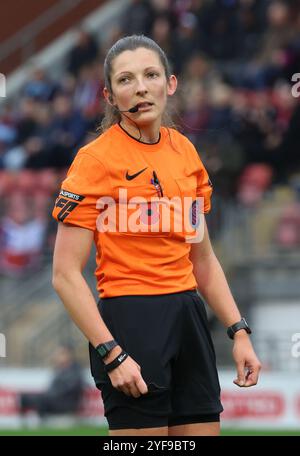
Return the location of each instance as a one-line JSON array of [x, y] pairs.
[[79, 301], [214, 288]]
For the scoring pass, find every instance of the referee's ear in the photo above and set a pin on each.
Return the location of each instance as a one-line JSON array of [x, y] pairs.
[[172, 85], [108, 96]]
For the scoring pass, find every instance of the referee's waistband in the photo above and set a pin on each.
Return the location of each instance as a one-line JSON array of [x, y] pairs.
[[192, 292]]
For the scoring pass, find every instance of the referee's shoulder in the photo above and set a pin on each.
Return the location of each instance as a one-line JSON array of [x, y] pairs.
[[180, 139], [97, 148]]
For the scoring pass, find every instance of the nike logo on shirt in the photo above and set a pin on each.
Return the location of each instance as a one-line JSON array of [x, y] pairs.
[[132, 176]]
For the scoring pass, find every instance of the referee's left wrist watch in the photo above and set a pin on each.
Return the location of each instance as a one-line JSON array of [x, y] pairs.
[[242, 324], [104, 349]]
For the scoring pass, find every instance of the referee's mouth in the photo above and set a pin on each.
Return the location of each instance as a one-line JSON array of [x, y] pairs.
[[144, 105]]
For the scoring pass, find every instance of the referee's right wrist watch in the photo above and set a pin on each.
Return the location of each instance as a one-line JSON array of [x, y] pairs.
[[104, 349], [242, 324]]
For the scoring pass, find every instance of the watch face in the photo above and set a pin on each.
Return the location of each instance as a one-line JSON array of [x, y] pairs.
[[105, 348], [102, 351]]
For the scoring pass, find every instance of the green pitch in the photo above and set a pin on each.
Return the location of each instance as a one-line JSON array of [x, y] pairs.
[[98, 431]]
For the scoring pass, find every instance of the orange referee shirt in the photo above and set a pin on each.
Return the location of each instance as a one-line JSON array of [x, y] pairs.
[[121, 189]]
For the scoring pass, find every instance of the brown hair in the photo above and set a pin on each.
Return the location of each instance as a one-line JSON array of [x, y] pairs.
[[130, 43]]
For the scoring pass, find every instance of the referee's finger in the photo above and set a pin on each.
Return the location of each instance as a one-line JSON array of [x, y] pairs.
[[134, 391], [252, 375], [240, 380], [141, 386], [125, 390]]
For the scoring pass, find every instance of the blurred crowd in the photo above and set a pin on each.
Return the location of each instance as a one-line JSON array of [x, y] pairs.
[[234, 60], [63, 395]]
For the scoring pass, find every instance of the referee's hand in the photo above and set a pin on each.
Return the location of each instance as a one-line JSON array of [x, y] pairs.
[[127, 377], [247, 363]]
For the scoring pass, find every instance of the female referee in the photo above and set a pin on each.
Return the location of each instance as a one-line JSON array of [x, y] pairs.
[[151, 352]]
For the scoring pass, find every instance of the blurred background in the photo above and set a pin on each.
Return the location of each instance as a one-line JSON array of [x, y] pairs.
[[238, 63]]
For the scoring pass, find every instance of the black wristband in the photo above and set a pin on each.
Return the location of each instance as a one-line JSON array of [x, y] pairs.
[[116, 362]]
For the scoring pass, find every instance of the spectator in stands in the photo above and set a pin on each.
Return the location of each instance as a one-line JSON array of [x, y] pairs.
[[22, 234], [39, 86], [137, 18], [68, 130], [254, 181], [162, 32], [83, 53], [186, 40], [7, 136], [65, 390], [289, 162], [86, 93], [221, 30], [25, 119]]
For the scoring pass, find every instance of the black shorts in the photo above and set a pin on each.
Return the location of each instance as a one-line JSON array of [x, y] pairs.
[[168, 336]]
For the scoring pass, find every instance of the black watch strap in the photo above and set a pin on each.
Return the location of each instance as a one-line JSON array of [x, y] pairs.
[[116, 362], [104, 349], [242, 324]]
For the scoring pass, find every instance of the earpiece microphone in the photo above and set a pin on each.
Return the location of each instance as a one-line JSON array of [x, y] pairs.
[[133, 109]]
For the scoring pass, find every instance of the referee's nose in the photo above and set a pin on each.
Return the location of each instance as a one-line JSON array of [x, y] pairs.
[[141, 88]]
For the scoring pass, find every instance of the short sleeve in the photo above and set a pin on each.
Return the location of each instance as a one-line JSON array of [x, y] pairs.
[[85, 183], [204, 184]]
